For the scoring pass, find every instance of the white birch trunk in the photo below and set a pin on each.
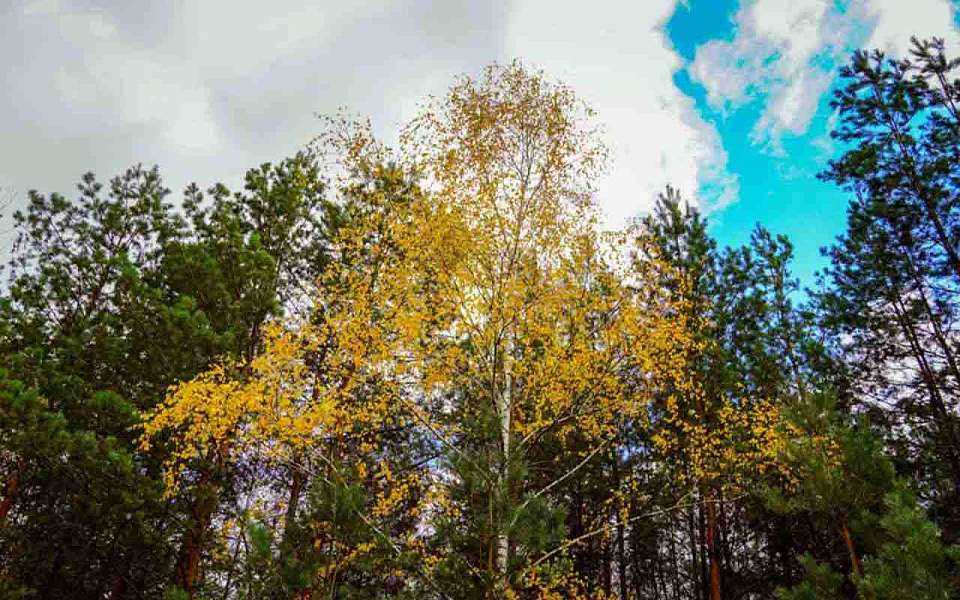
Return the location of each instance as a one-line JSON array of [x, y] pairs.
[[505, 409]]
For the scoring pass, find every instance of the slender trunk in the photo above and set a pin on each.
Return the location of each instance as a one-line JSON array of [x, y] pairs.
[[505, 409], [726, 560], [607, 572], [491, 546], [916, 346], [943, 418], [935, 323], [296, 487], [712, 546], [188, 563], [674, 567], [917, 187], [287, 549], [948, 100], [945, 242], [621, 554], [660, 588], [935, 320], [10, 492], [855, 565], [696, 543]]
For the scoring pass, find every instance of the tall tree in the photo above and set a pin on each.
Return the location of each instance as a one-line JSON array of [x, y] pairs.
[[891, 298], [114, 297]]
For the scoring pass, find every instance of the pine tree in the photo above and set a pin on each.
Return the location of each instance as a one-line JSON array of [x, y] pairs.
[[890, 297]]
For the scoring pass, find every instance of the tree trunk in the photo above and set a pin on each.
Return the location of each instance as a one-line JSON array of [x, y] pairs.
[[10, 493], [943, 418], [944, 239], [712, 546], [935, 319], [621, 553], [855, 565], [726, 560], [907, 159], [607, 570], [505, 410], [188, 563], [298, 478], [697, 568]]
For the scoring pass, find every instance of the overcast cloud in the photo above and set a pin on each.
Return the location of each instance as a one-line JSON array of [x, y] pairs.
[[208, 88]]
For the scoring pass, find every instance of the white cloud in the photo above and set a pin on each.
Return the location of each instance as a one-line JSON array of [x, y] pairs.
[[896, 20], [732, 72], [785, 51], [210, 88], [618, 59], [207, 89]]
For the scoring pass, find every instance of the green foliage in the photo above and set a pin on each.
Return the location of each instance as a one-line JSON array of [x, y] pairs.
[[117, 294], [175, 593], [889, 302], [838, 460], [84, 515], [820, 583], [912, 561], [114, 297]]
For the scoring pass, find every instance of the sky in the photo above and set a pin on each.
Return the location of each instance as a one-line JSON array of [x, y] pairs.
[[727, 100]]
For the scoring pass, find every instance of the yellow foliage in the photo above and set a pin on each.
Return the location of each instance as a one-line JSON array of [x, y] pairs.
[[486, 273]]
